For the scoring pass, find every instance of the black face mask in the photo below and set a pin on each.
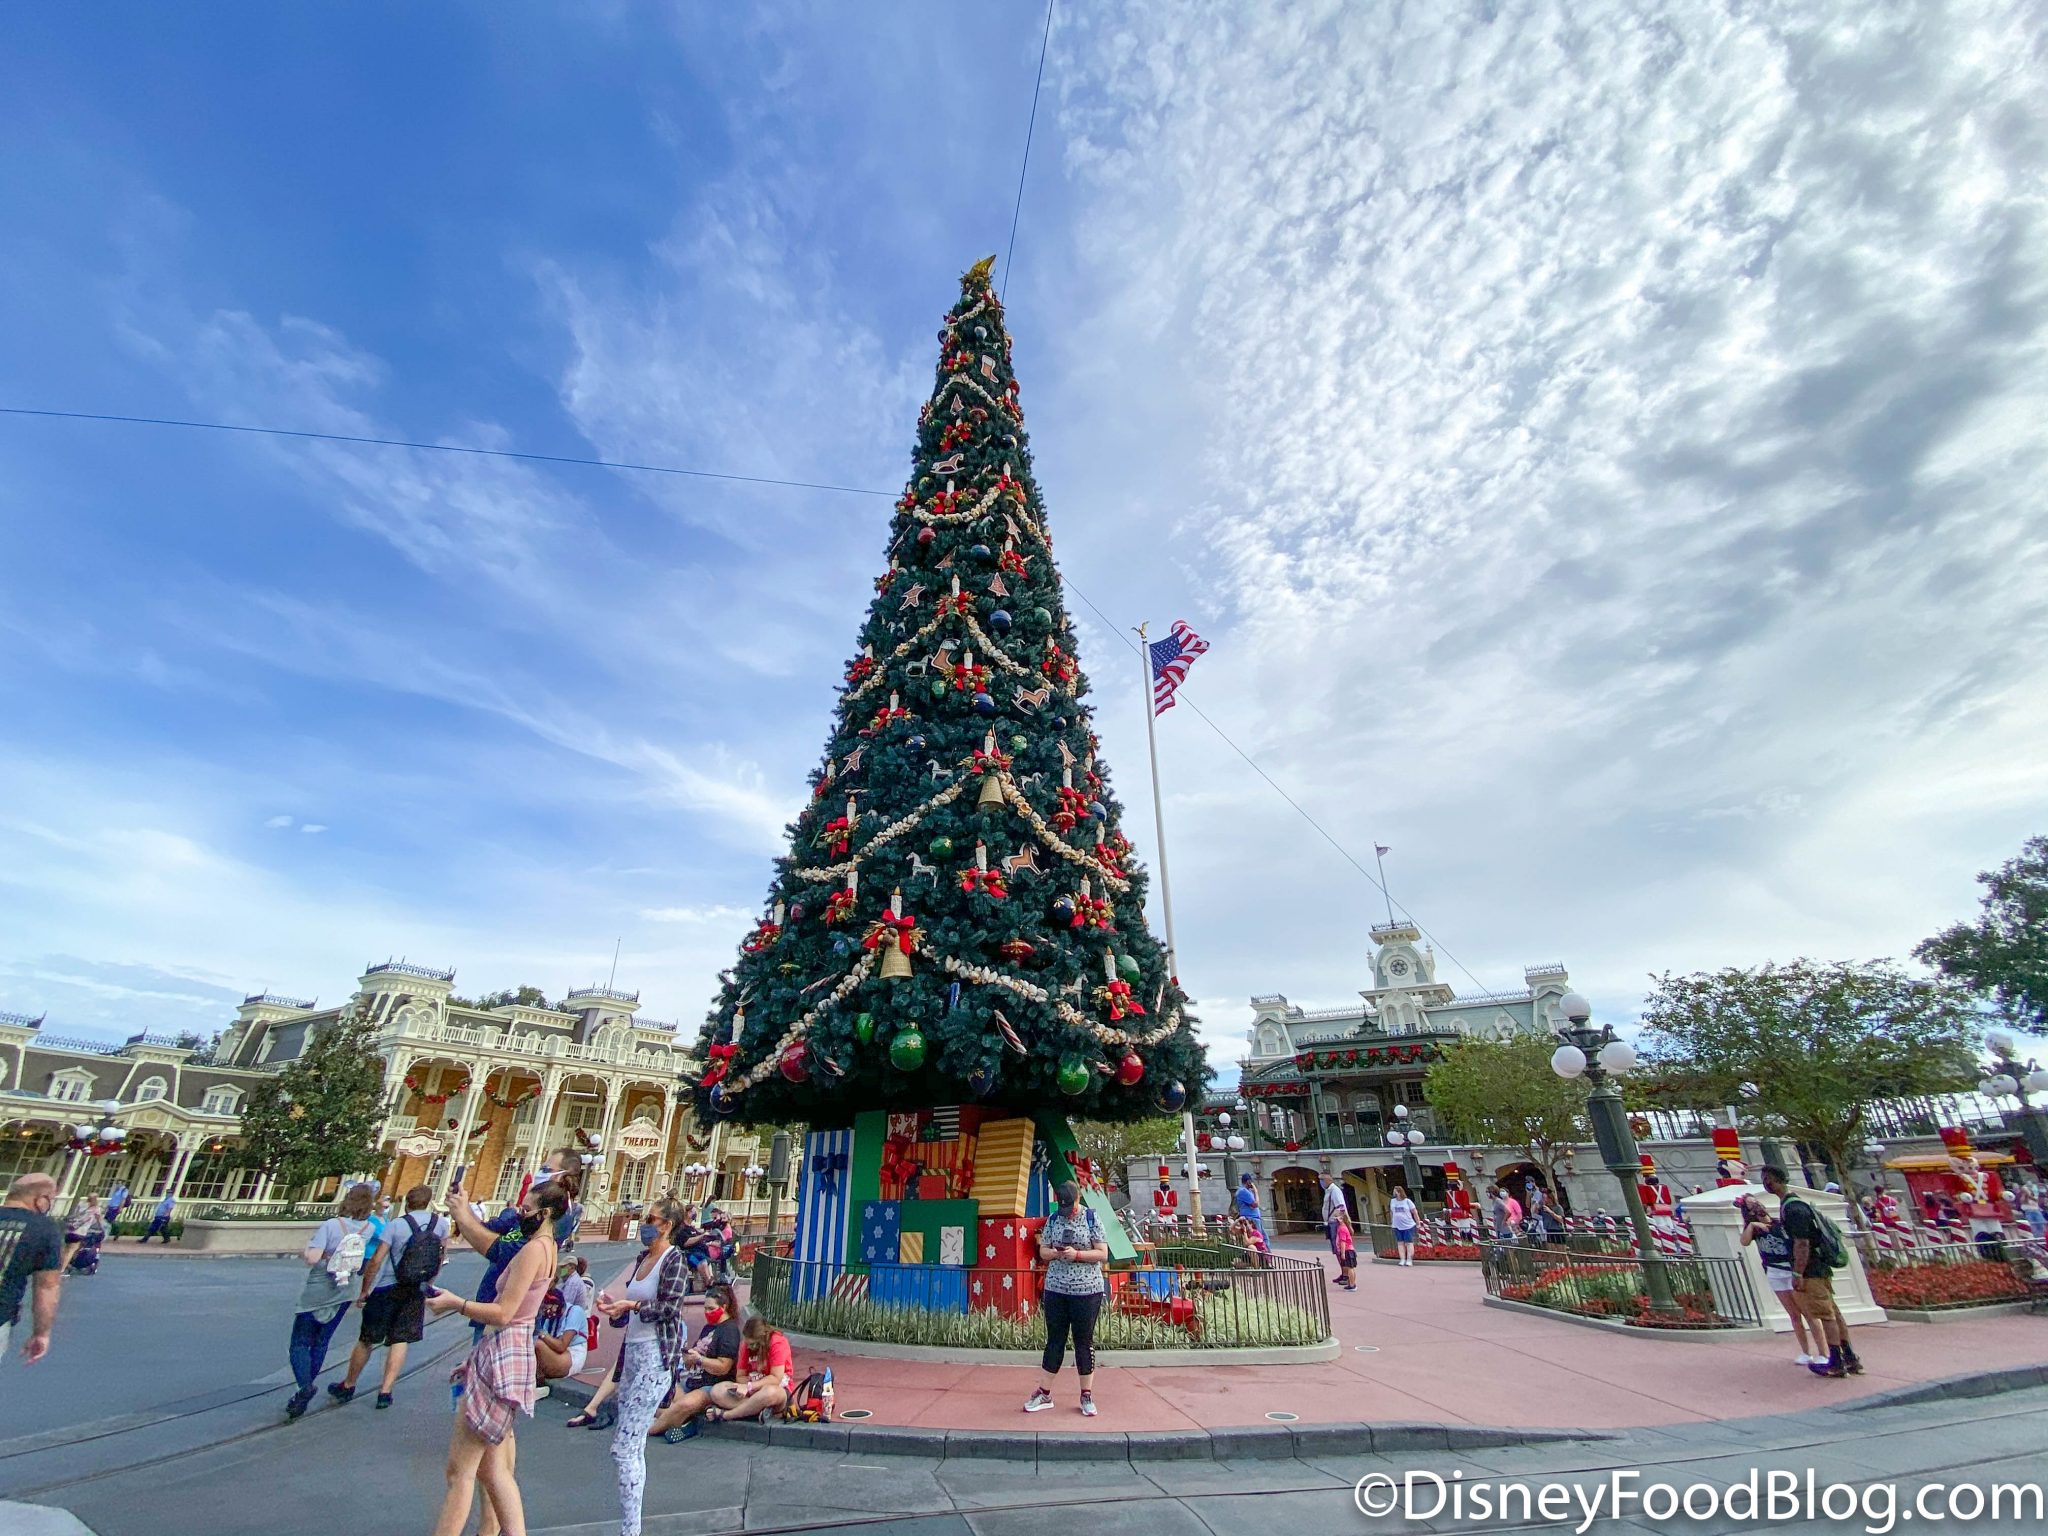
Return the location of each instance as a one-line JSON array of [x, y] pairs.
[[531, 1223]]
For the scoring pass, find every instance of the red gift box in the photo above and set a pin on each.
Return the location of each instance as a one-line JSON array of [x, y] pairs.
[[1008, 1273]]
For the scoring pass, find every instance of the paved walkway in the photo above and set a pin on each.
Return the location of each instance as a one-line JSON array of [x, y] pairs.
[[1419, 1345]]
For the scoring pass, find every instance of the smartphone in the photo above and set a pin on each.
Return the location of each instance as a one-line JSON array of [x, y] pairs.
[[460, 1170]]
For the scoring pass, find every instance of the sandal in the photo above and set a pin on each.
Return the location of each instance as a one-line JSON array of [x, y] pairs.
[[581, 1421], [714, 1415]]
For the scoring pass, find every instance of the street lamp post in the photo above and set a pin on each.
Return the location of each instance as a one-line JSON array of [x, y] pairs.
[[1593, 1052], [85, 1137], [2010, 1078], [1407, 1138]]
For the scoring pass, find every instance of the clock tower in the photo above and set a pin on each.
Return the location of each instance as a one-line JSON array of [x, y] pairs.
[[1404, 979]]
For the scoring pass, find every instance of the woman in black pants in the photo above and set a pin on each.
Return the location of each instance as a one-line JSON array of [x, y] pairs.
[[1074, 1250]]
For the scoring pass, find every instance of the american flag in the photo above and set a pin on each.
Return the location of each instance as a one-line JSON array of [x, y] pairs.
[[1170, 659]]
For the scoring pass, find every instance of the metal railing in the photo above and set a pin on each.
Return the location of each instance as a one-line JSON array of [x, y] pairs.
[[1432, 1245], [1707, 1293], [1263, 1303]]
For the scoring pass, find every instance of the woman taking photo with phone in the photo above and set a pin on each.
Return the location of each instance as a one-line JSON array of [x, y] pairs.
[[497, 1380], [1072, 1244]]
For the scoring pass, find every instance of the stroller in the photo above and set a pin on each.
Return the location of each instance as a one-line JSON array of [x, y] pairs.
[[84, 1243], [711, 1244]]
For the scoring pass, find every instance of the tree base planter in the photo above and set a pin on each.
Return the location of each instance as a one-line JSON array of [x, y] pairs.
[[255, 1238], [945, 1354], [1956, 1314], [1633, 1330]]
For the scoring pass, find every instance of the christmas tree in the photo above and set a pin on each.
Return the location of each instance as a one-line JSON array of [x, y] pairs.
[[958, 918]]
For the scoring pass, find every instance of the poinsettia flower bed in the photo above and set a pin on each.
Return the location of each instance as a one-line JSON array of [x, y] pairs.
[[1615, 1293], [1927, 1287]]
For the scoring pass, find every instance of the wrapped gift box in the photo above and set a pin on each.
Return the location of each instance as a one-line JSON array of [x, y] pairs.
[[879, 1235], [932, 1287]]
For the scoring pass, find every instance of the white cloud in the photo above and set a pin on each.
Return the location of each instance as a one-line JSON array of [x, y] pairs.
[[278, 823], [312, 828]]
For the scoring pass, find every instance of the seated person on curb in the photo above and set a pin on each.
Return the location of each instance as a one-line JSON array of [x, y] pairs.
[[763, 1375], [562, 1353], [711, 1360], [707, 1244]]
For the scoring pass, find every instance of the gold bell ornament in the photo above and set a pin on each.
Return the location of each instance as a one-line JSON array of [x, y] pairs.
[[991, 792], [894, 934]]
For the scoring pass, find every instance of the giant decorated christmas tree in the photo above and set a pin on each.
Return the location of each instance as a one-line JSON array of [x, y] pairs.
[[958, 920]]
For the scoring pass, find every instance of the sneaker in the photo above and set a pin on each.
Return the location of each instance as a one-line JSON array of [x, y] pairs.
[[383, 1399], [541, 1391], [296, 1408], [1852, 1365], [340, 1391], [676, 1434], [1809, 1360], [1826, 1368], [1087, 1405], [1038, 1402]]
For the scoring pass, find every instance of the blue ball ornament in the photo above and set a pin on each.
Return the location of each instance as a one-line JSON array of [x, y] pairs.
[[915, 743], [1000, 621], [841, 944], [981, 1082], [1172, 1096], [1062, 910], [982, 552], [984, 705], [720, 1104], [1097, 811]]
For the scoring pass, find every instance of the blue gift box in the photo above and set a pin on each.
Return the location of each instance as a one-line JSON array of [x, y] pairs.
[[881, 1230], [929, 1287]]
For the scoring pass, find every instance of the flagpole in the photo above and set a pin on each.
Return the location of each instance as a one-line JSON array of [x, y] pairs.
[[1379, 857], [1187, 1114]]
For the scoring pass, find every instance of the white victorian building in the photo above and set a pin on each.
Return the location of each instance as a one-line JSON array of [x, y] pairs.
[[493, 1090]]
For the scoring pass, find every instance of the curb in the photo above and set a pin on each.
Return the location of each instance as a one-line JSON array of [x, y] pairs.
[[943, 1354], [2012, 1378], [1276, 1442], [1956, 1314], [1610, 1325]]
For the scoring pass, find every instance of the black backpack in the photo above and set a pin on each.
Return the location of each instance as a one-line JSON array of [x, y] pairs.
[[423, 1257]]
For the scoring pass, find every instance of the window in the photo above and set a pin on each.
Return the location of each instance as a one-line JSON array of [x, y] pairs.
[[509, 1176], [25, 1150], [1271, 1042], [150, 1090], [1412, 1093], [582, 1115], [71, 1087], [222, 1100]]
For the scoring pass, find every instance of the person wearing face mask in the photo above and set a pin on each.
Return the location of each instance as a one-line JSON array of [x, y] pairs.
[[652, 1308], [709, 1361], [500, 1238], [1072, 1244], [496, 1382]]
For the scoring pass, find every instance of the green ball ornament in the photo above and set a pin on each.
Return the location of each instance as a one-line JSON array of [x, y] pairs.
[[942, 847], [1019, 743], [1074, 1076], [939, 689], [864, 1029], [1043, 616], [906, 1051], [1127, 970]]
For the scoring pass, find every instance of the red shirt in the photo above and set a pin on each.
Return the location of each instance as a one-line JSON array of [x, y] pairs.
[[781, 1363]]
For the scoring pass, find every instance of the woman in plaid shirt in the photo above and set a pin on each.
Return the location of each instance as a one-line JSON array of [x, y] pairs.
[[652, 1310]]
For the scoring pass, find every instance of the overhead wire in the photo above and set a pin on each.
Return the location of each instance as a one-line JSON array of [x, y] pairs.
[[1030, 128]]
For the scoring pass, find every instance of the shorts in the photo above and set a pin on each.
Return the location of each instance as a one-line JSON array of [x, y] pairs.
[[394, 1314], [1404, 1234], [1818, 1293], [6, 1337], [1782, 1281]]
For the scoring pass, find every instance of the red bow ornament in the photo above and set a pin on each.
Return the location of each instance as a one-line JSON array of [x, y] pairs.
[[1056, 665], [987, 881], [838, 906], [1120, 1001], [1093, 912], [763, 936], [838, 834], [720, 1057], [989, 762], [890, 927], [1014, 563], [863, 666], [1072, 812], [886, 717]]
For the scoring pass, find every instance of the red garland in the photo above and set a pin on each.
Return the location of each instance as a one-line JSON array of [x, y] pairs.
[[902, 929], [988, 881], [460, 1086], [838, 905]]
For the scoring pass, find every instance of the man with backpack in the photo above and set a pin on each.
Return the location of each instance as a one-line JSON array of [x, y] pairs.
[[395, 1279], [1817, 1252]]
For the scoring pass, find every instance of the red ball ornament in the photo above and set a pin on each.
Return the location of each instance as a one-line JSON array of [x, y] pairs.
[[925, 537], [1130, 1069], [795, 1063]]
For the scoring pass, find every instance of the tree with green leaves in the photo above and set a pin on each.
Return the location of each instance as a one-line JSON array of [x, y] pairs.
[[2004, 954], [318, 1118], [1804, 1049], [509, 997], [1111, 1144], [1502, 1093], [958, 917]]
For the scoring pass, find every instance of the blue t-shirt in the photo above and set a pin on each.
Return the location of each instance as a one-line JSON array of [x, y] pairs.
[[1247, 1202], [501, 1253]]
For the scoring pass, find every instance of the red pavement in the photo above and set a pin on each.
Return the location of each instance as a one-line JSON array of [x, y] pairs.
[[1443, 1357]]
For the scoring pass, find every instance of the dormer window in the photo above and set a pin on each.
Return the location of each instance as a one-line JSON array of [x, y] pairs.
[[72, 1087], [151, 1089], [221, 1101]]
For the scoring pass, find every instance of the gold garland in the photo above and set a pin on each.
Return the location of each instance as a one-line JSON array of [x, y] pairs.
[[1054, 843], [887, 835], [1068, 1014], [800, 1028], [990, 648]]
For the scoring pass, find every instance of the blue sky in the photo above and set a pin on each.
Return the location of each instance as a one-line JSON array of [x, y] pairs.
[[1598, 446]]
